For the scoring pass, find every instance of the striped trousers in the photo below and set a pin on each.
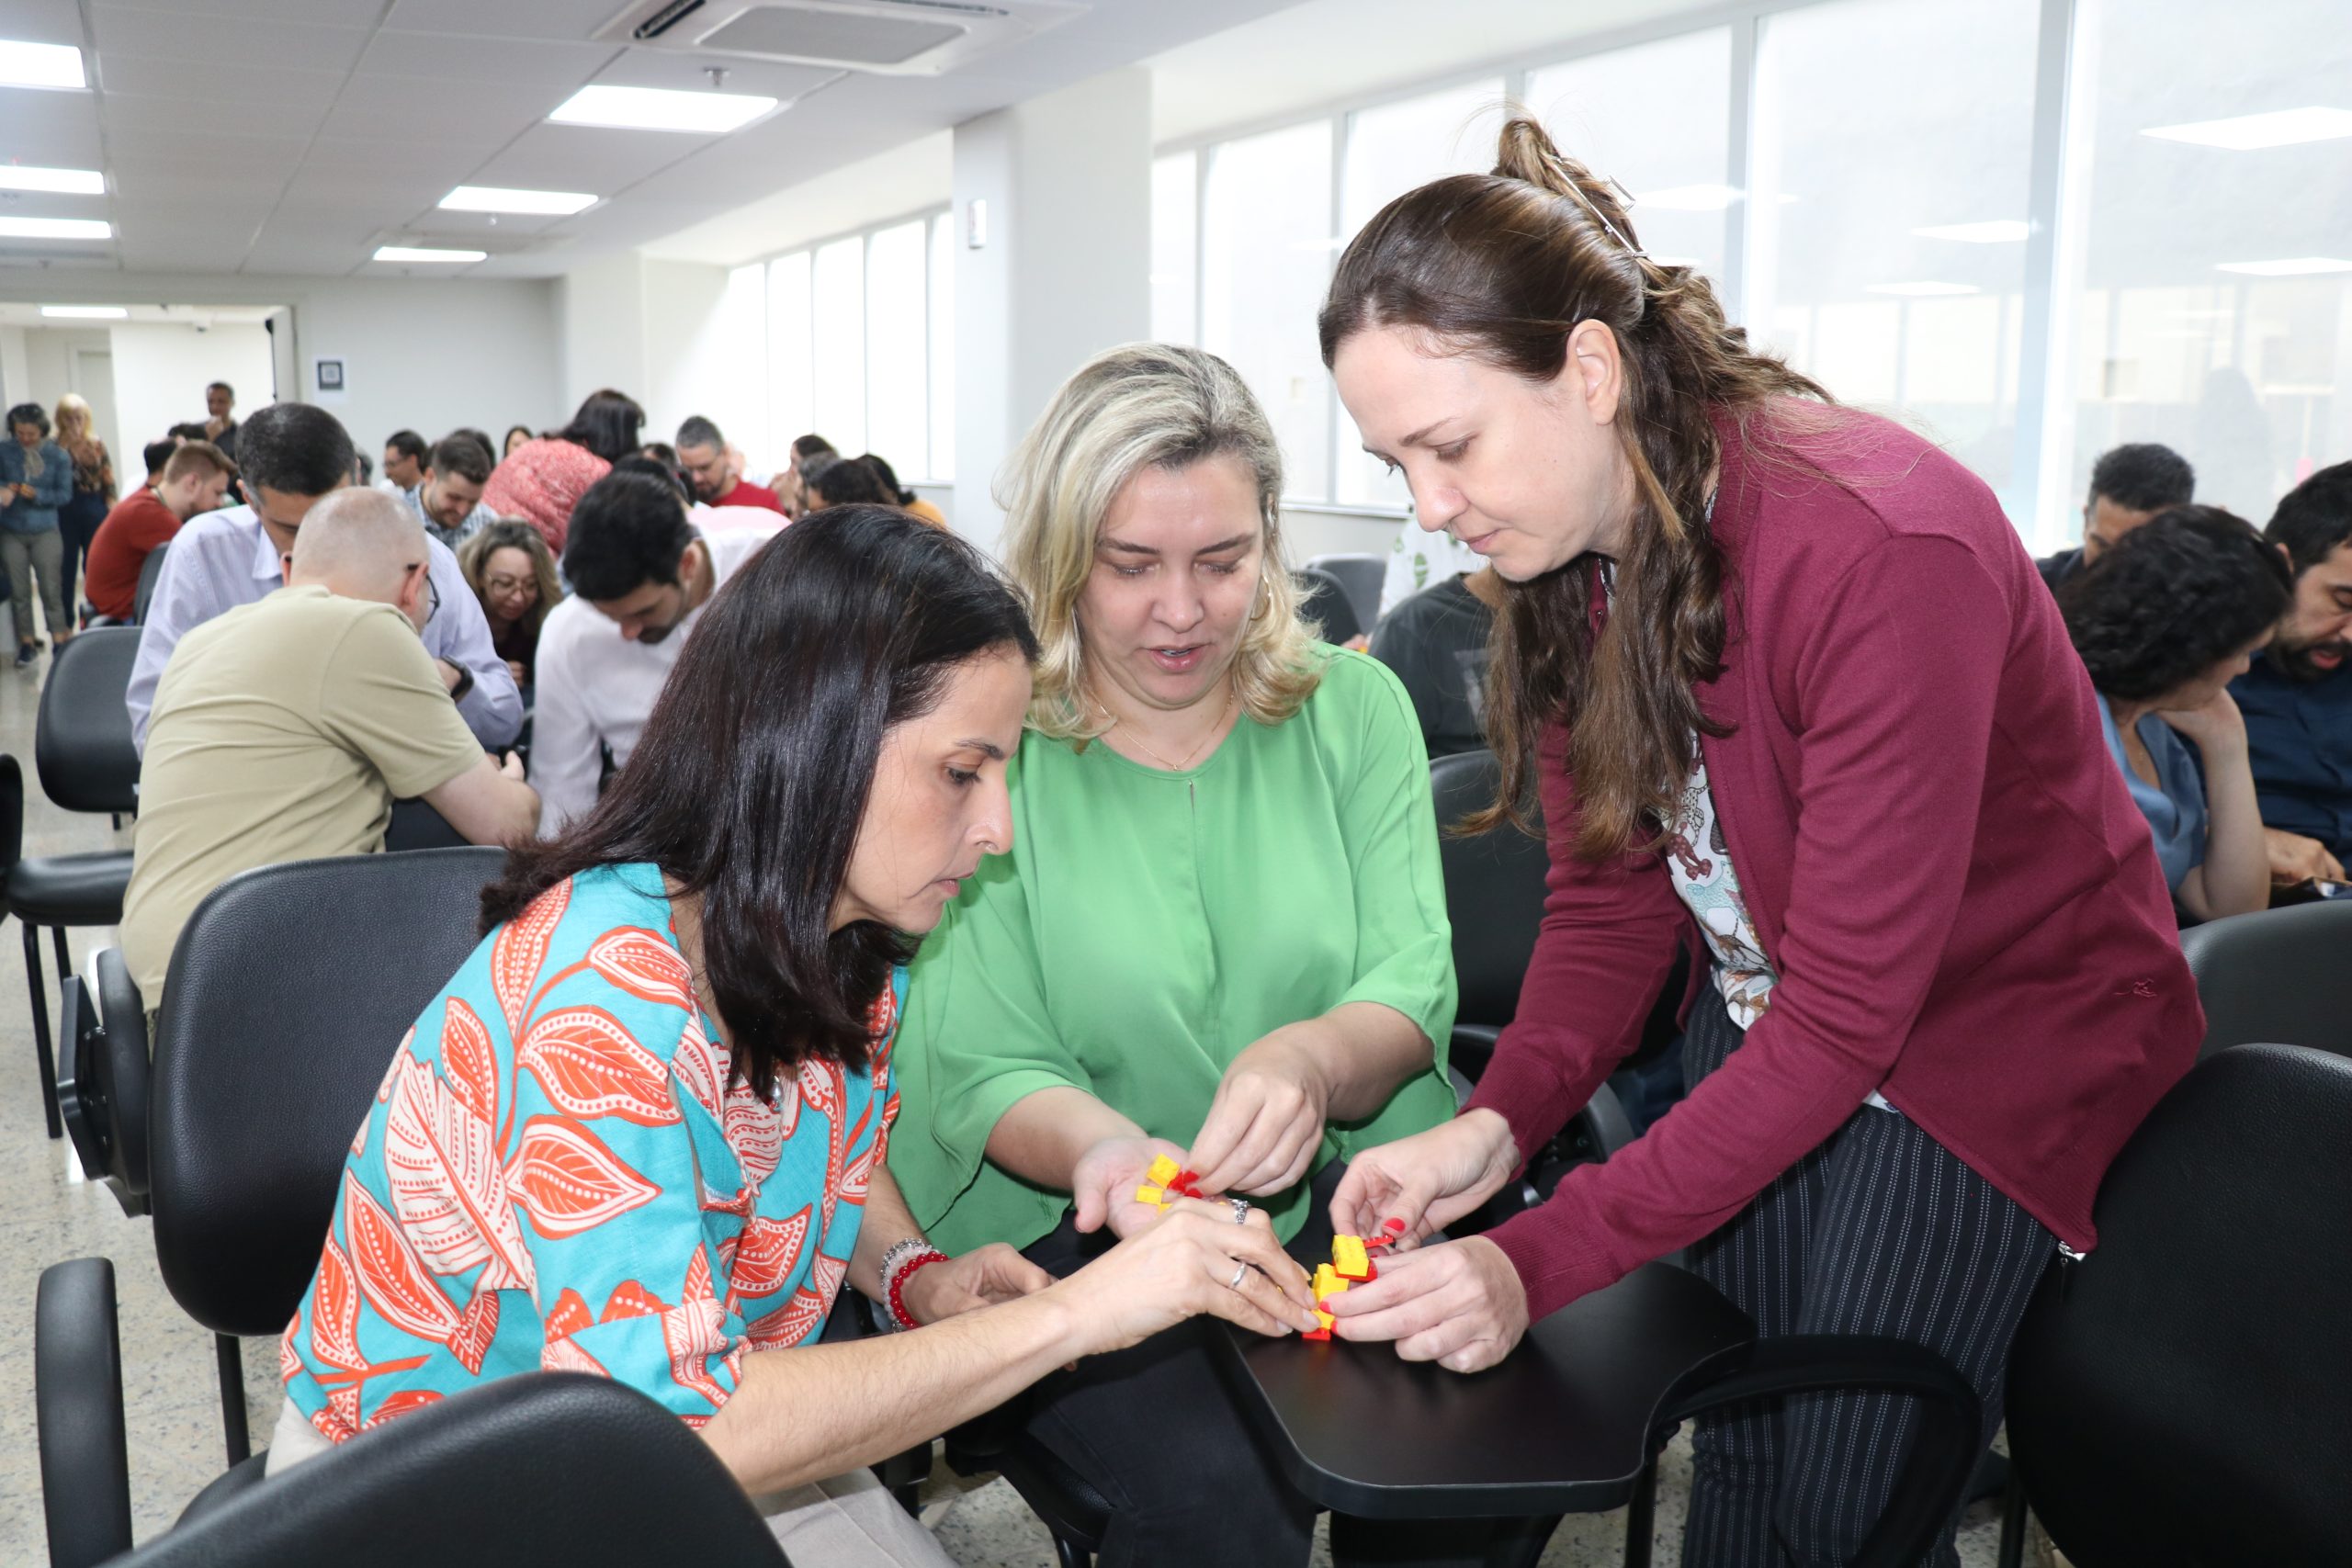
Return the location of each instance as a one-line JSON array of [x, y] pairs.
[[1880, 1230]]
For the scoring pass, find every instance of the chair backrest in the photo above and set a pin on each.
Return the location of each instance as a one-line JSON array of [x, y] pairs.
[[12, 812], [1322, 598], [288, 990], [1494, 890], [549, 1467], [2282, 976], [82, 743], [2178, 1397], [149, 570], [1361, 576]]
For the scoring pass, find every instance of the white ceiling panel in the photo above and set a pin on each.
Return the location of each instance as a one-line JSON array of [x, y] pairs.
[[570, 20], [326, 193], [200, 41], [580, 157], [337, 12], [194, 147], [226, 183], [222, 117], [162, 76], [185, 251], [644, 68], [387, 107], [357, 159], [53, 141], [506, 64], [41, 21]]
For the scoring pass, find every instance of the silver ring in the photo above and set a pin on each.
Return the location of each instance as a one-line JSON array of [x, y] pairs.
[[1239, 1271], [1240, 1210]]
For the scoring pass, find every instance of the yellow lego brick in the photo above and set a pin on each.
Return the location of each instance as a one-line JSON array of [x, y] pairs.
[[1147, 1194], [1327, 1282], [1348, 1260], [1163, 1171]]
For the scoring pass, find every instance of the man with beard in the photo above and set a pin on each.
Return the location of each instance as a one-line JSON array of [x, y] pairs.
[[640, 573], [2297, 698]]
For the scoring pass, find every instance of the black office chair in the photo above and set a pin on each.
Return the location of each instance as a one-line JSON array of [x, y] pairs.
[[257, 1083], [2278, 975], [1361, 576], [55, 891], [2178, 1397], [552, 1467], [149, 570], [82, 743], [1323, 599]]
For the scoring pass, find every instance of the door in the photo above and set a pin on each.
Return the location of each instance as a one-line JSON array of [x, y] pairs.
[[93, 379]]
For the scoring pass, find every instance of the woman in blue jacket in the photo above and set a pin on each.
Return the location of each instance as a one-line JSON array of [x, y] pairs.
[[36, 479]]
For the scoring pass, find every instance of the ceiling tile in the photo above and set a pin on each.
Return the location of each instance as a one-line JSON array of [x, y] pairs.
[[417, 109], [146, 181], [159, 76], [183, 252], [45, 21], [200, 42], [383, 198], [658, 68], [224, 117], [198, 147], [356, 157], [577, 157], [335, 13], [506, 64], [572, 20]]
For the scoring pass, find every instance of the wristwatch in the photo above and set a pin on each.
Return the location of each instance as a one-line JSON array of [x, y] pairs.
[[465, 683]]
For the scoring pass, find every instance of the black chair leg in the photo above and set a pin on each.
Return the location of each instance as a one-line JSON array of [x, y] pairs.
[[1071, 1554], [2014, 1515], [64, 959], [232, 1397], [1641, 1518], [41, 1030]]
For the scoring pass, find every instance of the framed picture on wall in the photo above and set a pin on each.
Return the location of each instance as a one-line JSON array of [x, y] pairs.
[[329, 374]]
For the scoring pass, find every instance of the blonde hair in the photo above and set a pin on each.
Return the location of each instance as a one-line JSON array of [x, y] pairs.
[[74, 406], [1144, 405]]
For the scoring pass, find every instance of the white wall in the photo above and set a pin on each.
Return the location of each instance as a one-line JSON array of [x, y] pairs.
[[903, 181], [655, 329], [601, 306], [428, 354], [1065, 273], [48, 372], [160, 370]]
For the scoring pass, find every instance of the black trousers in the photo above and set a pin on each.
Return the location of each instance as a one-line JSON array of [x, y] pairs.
[[1880, 1230], [1157, 1429]]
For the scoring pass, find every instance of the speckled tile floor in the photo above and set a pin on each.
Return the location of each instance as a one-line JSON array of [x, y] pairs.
[[173, 1410]]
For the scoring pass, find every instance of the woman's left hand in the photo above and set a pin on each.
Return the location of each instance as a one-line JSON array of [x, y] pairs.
[[1266, 1121], [986, 1276], [1458, 1303], [2213, 722]]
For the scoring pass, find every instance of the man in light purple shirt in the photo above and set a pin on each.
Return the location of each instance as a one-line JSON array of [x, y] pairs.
[[293, 455]]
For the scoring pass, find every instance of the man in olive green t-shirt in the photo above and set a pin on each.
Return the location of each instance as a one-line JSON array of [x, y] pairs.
[[284, 730]]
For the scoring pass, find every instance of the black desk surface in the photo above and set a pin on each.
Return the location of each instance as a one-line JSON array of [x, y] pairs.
[[1561, 1426]]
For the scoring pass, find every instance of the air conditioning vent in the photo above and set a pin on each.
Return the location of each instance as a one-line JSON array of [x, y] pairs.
[[886, 36]]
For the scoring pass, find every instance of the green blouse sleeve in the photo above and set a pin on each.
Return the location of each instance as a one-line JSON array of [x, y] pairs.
[[1388, 821], [977, 1037]]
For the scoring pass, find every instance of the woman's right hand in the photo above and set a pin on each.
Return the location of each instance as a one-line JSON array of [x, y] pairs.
[[1181, 1264], [1428, 1181], [1104, 1184]]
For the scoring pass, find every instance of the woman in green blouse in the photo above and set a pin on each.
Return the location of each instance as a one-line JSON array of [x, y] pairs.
[[1220, 935]]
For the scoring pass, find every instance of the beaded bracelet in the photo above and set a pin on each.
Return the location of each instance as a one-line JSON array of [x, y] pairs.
[[898, 1266]]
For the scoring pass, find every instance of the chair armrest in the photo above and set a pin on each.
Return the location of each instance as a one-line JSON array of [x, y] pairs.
[[77, 1394], [102, 1090], [1937, 1461]]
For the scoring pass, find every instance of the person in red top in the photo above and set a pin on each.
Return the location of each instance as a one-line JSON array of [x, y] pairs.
[[1795, 700], [192, 482], [702, 452]]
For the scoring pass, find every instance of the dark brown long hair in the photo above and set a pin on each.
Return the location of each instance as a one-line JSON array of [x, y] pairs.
[[1503, 266], [749, 781]]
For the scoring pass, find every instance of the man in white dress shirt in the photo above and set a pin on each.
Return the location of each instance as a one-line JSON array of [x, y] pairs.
[[642, 570]]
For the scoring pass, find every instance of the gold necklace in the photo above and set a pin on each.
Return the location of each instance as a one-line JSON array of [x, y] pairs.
[[1232, 695]]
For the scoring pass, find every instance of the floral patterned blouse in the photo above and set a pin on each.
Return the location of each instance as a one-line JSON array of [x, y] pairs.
[[558, 1173]]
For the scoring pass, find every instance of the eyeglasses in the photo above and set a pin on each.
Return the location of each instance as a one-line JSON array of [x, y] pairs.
[[431, 590]]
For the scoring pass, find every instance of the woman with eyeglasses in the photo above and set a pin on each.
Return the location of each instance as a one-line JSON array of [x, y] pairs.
[[1794, 700], [514, 575]]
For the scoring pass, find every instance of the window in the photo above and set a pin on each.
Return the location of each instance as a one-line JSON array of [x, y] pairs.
[[1655, 118], [861, 346], [1891, 165], [2213, 307], [1266, 254]]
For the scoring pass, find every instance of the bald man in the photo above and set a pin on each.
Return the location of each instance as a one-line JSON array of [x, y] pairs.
[[284, 730]]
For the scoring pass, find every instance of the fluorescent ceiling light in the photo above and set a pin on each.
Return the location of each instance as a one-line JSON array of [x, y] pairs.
[[1994, 231], [1922, 291], [66, 182], [2289, 266], [86, 312], [662, 108], [426, 254], [57, 228], [1690, 199], [499, 199], [40, 65], [2250, 132]]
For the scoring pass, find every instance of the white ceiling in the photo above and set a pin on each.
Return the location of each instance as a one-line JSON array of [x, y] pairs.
[[292, 137], [28, 315]]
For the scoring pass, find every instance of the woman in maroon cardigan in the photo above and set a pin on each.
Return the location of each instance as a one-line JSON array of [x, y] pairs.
[[1793, 699]]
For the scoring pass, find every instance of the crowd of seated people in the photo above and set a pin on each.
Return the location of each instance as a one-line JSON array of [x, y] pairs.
[[920, 905]]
